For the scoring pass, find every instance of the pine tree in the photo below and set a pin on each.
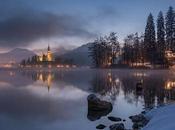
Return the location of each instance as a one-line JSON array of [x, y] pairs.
[[128, 50], [113, 45], [170, 29], [160, 38], [23, 62], [28, 61], [136, 47], [150, 40], [142, 49], [98, 52]]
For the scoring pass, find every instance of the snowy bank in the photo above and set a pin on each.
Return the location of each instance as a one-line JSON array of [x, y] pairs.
[[161, 118]]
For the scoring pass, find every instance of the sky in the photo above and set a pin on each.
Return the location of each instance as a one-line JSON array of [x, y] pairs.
[[34, 24]]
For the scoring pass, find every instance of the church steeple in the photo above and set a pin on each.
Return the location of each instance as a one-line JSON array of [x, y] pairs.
[[48, 49]]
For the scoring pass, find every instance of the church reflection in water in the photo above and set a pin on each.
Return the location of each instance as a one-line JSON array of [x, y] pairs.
[[44, 77], [156, 89]]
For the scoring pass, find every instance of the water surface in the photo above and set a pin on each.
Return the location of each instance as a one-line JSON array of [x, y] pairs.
[[57, 99]]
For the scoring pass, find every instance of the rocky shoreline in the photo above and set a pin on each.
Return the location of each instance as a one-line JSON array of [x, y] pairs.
[[98, 108]]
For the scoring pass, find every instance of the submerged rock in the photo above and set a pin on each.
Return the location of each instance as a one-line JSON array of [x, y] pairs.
[[116, 119], [135, 126], [138, 121], [143, 112], [100, 126], [97, 108], [118, 126], [137, 118]]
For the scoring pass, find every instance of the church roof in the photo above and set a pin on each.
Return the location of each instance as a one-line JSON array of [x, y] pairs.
[[48, 49]]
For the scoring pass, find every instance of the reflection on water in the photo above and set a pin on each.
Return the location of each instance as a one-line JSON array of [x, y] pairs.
[[46, 78], [57, 99], [157, 89]]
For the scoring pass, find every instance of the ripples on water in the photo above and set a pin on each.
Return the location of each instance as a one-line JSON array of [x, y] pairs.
[[56, 100]]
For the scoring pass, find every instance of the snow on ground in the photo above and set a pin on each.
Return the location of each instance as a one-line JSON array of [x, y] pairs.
[[162, 118]]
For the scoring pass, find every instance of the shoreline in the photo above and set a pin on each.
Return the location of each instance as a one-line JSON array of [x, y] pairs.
[[82, 67], [161, 118]]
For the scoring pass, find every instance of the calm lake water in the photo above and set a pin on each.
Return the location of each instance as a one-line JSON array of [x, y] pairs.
[[57, 100]]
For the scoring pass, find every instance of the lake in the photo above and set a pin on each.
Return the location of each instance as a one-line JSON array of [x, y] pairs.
[[57, 99]]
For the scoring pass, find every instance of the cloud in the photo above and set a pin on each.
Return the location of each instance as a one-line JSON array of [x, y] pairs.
[[27, 27], [108, 12]]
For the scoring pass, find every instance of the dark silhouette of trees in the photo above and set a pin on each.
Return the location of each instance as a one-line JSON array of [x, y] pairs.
[[114, 46], [44, 58], [161, 47], [138, 50], [150, 40], [133, 50], [104, 50], [128, 49], [28, 61], [95, 52], [23, 62], [170, 29]]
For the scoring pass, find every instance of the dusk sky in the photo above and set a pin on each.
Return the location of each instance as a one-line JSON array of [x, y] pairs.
[[34, 24]]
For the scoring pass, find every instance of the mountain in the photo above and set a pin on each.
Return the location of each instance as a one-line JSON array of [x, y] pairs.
[[79, 55], [15, 55], [60, 51]]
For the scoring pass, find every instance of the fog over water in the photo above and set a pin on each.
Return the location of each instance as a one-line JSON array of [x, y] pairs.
[[57, 99]]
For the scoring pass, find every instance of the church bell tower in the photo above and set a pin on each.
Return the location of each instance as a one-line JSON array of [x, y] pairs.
[[49, 54]]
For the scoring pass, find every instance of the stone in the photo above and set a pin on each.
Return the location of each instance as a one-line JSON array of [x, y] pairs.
[[143, 112], [96, 104], [137, 118], [135, 126], [116, 119], [100, 126], [138, 121], [97, 108], [118, 126]]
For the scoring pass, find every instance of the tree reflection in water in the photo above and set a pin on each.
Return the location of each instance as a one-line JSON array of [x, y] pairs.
[[158, 88]]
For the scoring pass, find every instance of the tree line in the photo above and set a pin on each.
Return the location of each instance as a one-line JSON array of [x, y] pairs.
[[35, 60], [150, 47]]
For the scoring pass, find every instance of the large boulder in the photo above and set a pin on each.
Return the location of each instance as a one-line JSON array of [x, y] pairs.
[[97, 108], [94, 103]]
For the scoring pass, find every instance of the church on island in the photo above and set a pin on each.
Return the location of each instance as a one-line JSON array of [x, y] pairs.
[[48, 57], [43, 59]]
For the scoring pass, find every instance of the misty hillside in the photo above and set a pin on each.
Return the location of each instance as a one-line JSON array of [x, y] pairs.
[[79, 55], [15, 55], [60, 51]]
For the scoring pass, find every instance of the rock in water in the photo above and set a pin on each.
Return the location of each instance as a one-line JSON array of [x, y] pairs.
[[137, 118], [138, 121], [116, 119], [101, 126], [97, 108], [94, 103], [118, 126], [135, 126]]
